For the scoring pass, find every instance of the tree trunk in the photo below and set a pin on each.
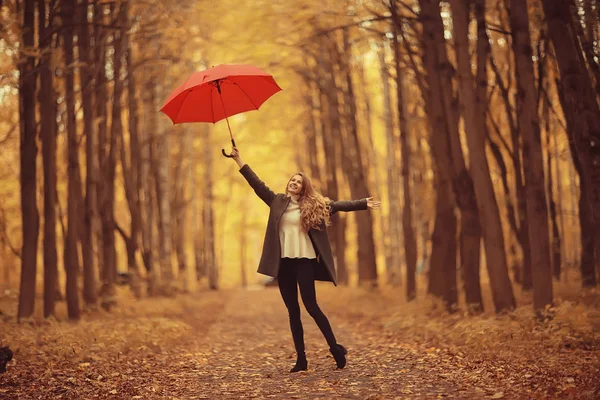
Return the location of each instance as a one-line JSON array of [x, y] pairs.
[[533, 163], [392, 263], [474, 106], [243, 248], [367, 265], [163, 194], [311, 132], [522, 272], [130, 162], [440, 77], [146, 178], [555, 243], [71, 256], [586, 223], [180, 211], [582, 111], [373, 159], [103, 189], [208, 215], [108, 166], [194, 200], [330, 130], [90, 214], [48, 111], [442, 273], [28, 177], [410, 243], [443, 239]]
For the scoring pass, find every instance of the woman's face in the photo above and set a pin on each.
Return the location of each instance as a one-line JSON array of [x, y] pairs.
[[295, 185]]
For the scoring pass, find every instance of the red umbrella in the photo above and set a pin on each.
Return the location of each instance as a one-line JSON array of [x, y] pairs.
[[220, 92]]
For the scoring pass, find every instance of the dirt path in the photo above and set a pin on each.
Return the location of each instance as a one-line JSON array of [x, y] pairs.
[[248, 351], [236, 344]]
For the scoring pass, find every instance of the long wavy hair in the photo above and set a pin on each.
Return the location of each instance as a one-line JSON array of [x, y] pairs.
[[314, 207]]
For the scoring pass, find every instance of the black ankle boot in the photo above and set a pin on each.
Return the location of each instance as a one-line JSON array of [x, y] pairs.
[[301, 363], [339, 354]]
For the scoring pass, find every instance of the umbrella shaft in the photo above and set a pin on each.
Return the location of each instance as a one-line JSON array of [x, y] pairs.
[[225, 112]]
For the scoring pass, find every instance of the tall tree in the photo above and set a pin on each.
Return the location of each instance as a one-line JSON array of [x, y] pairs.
[[130, 161], [522, 272], [180, 209], [580, 105], [208, 216], [162, 163], [28, 153], [533, 163], [330, 129], [442, 271], [105, 225], [473, 105], [357, 173], [47, 100], [90, 296], [147, 178], [410, 243], [393, 261], [440, 104], [71, 253]]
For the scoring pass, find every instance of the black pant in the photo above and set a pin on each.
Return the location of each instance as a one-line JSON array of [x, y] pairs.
[[295, 272]]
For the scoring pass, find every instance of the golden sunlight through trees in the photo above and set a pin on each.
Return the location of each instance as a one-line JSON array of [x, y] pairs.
[[454, 145]]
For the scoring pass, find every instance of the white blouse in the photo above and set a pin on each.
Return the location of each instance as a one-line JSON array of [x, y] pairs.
[[294, 242]]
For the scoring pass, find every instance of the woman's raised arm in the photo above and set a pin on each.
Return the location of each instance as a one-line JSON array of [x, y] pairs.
[[262, 190]]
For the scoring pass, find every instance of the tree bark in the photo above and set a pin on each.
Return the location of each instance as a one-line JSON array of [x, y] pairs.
[[442, 272], [367, 265], [180, 211], [586, 223], [28, 177], [90, 296], [555, 244], [243, 248], [46, 98], [163, 195], [146, 178], [311, 131], [195, 217], [330, 130], [533, 163], [410, 243], [208, 216], [474, 104], [581, 109], [393, 266], [523, 274], [130, 161], [71, 255], [105, 226], [443, 238], [440, 77]]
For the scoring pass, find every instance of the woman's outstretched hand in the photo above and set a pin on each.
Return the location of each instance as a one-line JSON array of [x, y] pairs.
[[235, 154], [373, 204]]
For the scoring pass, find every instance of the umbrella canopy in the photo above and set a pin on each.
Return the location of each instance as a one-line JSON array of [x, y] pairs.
[[219, 92]]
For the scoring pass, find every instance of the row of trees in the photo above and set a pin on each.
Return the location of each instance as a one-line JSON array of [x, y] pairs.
[[461, 108], [449, 75], [81, 87]]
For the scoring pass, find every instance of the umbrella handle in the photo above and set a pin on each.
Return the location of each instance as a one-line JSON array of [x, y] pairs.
[[223, 150]]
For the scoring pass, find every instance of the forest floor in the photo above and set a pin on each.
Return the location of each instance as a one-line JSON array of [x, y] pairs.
[[235, 344]]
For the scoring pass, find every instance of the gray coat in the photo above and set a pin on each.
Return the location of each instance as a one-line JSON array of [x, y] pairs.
[[278, 202]]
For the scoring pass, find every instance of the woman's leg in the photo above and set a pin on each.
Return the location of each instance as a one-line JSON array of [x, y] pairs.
[[306, 281], [288, 287]]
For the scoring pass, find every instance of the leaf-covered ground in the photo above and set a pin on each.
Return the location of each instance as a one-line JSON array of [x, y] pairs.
[[236, 344]]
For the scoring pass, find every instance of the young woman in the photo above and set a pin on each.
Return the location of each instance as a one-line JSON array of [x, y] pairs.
[[297, 252]]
